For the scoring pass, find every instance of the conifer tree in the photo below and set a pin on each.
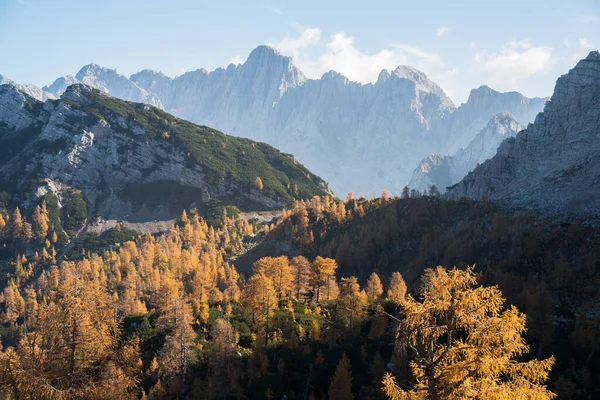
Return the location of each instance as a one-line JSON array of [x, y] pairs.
[[301, 275], [374, 287], [258, 183], [341, 382], [463, 344], [40, 222], [17, 224], [322, 269], [397, 289]]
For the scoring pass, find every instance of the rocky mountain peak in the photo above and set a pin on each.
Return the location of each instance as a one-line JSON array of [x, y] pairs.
[[553, 165], [265, 60]]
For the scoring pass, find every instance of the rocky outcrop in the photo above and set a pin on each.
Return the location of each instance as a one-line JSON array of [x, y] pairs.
[[443, 171], [135, 163], [484, 103], [553, 166]]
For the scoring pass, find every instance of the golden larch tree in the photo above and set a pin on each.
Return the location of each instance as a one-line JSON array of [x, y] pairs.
[[258, 183], [341, 382], [397, 290], [374, 287], [463, 343], [322, 269]]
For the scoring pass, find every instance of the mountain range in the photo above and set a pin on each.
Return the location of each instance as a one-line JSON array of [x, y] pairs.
[[358, 137], [553, 166]]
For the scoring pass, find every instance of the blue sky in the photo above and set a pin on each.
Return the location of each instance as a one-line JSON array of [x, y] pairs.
[[519, 45]]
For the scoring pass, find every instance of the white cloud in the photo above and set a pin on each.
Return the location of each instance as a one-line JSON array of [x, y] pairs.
[[515, 62], [316, 56], [441, 31], [585, 44], [293, 46], [472, 44], [238, 60], [589, 18]]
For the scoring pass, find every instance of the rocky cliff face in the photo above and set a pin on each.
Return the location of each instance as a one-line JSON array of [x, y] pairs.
[[363, 138], [134, 162], [483, 104], [443, 171], [553, 166]]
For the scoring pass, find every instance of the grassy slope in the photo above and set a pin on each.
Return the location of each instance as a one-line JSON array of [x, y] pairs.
[[223, 157]]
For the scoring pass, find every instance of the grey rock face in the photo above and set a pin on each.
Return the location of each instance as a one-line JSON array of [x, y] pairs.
[[123, 174], [483, 104], [553, 166], [443, 171]]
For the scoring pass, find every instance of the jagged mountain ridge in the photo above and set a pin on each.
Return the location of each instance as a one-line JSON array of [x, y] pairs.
[[359, 137], [553, 166], [443, 170], [135, 163]]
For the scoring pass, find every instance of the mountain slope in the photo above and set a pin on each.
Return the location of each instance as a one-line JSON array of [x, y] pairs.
[[553, 166], [443, 171], [359, 137], [134, 162]]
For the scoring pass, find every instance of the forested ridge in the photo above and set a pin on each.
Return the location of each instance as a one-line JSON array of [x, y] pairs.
[[334, 300]]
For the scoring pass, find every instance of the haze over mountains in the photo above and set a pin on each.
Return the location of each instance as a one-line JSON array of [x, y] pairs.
[[553, 166], [359, 137], [442, 171]]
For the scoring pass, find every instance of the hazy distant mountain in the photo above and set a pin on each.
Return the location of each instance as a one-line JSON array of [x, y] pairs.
[[554, 165], [359, 137], [443, 171], [30, 90]]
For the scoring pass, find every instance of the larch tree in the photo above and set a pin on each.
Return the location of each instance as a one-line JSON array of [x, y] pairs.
[[374, 287], [224, 371], [397, 290], [17, 224], [322, 269], [260, 296], [279, 271], [352, 300], [258, 183], [341, 382], [301, 275], [463, 343], [40, 222], [176, 319]]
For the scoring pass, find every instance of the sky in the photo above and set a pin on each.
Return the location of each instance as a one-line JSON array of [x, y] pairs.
[[521, 45]]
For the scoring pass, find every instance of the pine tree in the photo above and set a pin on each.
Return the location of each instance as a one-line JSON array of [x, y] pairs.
[[463, 343], [341, 382]]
